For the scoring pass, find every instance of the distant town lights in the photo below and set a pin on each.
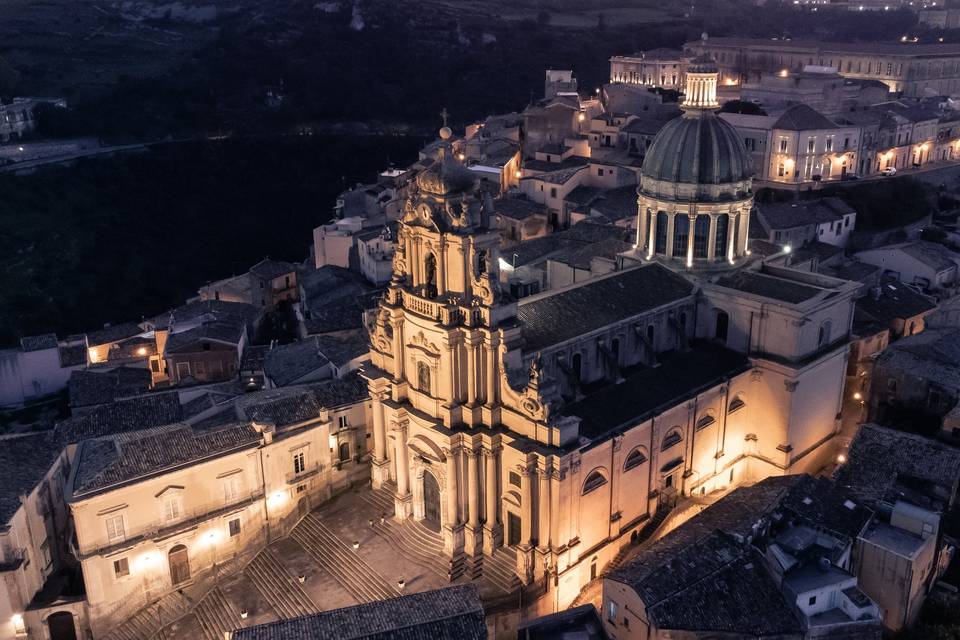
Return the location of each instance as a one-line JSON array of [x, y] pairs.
[[142, 351], [841, 458], [787, 248], [783, 73], [581, 116], [857, 395]]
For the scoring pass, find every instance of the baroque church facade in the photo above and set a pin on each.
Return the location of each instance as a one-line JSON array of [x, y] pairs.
[[552, 429]]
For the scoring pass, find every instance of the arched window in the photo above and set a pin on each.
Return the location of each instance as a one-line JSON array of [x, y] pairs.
[[681, 231], [823, 336], [720, 242], [736, 404], [595, 480], [430, 274], [636, 458], [423, 377], [705, 420], [661, 239], [482, 262], [722, 326], [672, 438], [701, 236]]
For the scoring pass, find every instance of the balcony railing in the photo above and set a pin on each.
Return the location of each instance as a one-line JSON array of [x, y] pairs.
[[159, 528], [422, 306]]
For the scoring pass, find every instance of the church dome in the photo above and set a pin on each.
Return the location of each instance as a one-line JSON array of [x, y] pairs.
[[698, 148]]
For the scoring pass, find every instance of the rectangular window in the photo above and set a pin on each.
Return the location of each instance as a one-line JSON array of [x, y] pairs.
[[115, 528], [612, 612], [172, 508], [553, 192], [829, 145], [299, 463], [812, 601], [45, 554], [783, 145], [600, 172], [235, 527], [121, 568], [155, 366], [231, 488], [811, 144], [342, 422]]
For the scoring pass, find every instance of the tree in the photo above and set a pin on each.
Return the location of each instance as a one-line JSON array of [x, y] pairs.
[[742, 106]]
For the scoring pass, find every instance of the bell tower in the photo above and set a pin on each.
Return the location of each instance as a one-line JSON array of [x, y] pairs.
[[435, 341]]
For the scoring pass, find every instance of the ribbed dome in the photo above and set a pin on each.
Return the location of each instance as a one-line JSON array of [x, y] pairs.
[[697, 148]]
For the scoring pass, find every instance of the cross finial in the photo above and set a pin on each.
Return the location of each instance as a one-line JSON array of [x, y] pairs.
[[444, 114]]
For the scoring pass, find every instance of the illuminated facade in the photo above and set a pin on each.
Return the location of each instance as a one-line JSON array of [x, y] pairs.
[[499, 424]]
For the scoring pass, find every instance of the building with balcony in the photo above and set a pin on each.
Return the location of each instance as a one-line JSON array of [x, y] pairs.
[[655, 68], [159, 508]]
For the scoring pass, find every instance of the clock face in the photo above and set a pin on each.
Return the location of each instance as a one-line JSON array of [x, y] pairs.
[[425, 212]]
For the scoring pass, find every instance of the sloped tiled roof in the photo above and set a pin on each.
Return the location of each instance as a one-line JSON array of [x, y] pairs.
[[230, 333], [451, 613], [554, 318], [129, 414], [285, 364], [24, 461], [36, 343], [802, 117], [96, 386], [124, 457]]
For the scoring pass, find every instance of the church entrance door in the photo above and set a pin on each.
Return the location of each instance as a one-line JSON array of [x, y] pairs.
[[513, 529], [431, 502]]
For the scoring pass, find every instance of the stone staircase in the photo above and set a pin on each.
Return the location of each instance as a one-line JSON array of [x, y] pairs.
[[645, 534], [381, 499], [216, 615], [278, 587], [341, 561], [150, 619], [500, 569]]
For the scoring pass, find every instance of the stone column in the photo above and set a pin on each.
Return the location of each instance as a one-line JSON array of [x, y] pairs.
[[731, 235], [670, 218], [712, 238], [643, 223], [403, 499], [398, 350], [653, 235], [526, 491], [543, 509], [411, 260], [473, 489], [491, 352], [471, 371], [453, 496], [491, 527], [380, 467], [691, 234]]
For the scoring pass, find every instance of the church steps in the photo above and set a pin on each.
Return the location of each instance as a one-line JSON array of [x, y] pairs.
[[147, 621], [216, 615], [407, 545], [501, 569], [342, 562], [278, 587], [382, 500]]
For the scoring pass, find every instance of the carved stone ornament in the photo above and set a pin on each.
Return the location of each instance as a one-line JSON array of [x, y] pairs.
[[420, 340]]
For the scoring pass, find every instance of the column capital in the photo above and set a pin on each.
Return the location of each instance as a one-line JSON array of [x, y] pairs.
[[400, 426]]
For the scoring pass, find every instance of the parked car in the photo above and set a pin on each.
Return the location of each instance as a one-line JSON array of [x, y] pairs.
[[889, 171]]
